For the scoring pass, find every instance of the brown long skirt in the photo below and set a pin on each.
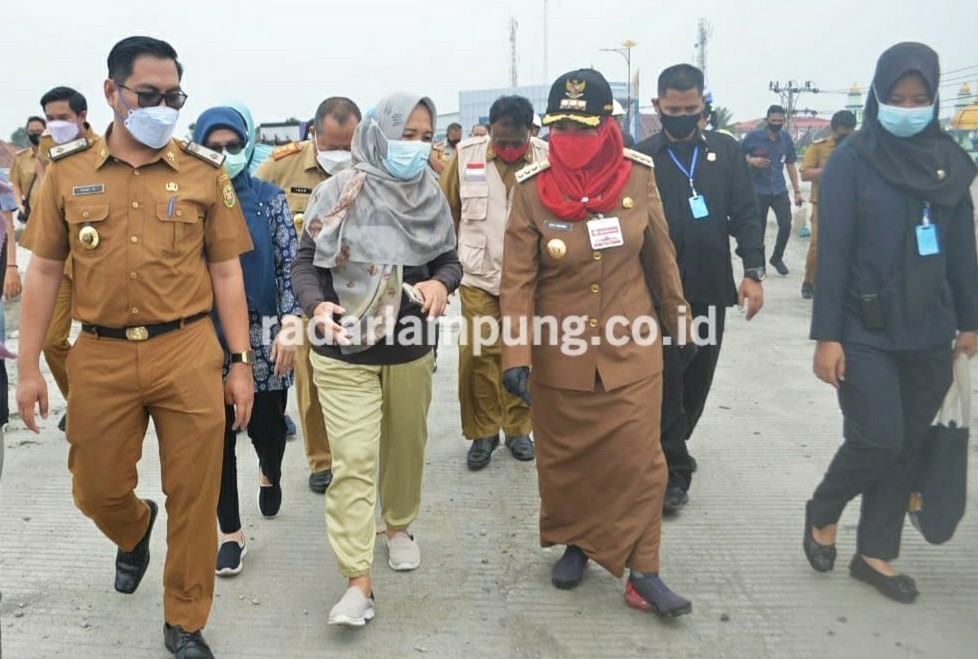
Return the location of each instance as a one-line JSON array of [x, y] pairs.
[[602, 473]]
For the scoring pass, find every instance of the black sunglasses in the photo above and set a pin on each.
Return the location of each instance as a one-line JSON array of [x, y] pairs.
[[234, 148], [149, 99]]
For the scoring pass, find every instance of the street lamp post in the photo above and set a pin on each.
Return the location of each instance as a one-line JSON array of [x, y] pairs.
[[626, 52]]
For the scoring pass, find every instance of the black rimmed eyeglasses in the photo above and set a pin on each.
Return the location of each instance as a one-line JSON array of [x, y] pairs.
[[149, 99]]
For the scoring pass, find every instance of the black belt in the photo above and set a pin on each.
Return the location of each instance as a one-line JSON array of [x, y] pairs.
[[141, 332]]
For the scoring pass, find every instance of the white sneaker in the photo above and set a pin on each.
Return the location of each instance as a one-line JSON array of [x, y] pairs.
[[353, 610], [403, 552]]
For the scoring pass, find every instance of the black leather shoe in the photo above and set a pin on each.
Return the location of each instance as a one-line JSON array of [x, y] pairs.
[[820, 557], [675, 498], [900, 588], [480, 452], [521, 447], [290, 429], [779, 266], [63, 422], [807, 291], [568, 571], [186, 645], [130, 566], [320, 480]]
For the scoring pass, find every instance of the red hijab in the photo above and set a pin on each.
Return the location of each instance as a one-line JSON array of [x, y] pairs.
[[587, 172]]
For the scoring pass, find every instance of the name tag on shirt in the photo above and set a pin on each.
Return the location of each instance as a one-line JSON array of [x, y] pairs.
[[301, 190], [927, 243], [475, 172], [697, 204], [605, 232], [554, 225], [82, 190]]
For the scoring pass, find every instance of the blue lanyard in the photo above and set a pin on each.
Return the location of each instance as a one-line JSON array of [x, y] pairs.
[[926, 220], [692, 167]]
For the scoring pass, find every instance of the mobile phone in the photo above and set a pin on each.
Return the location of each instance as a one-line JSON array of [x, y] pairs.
[[413, 294]]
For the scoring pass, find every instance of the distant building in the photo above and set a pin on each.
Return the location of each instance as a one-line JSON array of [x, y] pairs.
[[964, 125], [854, 103], [805, 128], [281, 132], [7, 153]]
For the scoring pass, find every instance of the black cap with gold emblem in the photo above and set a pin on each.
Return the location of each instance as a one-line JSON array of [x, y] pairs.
[[583, 96]]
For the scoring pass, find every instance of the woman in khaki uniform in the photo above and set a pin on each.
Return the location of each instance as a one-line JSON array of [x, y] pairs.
[[586, 239]]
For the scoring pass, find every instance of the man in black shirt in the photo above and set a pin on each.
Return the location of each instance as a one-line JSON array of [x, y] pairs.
[[707, 196]]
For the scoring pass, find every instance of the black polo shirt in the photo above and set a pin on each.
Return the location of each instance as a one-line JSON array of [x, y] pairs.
[[703, 245]]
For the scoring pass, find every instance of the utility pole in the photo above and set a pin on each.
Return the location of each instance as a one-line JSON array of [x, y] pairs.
[[546, 40], [626, 52], [513, 70], [703, 34], [790, 92]]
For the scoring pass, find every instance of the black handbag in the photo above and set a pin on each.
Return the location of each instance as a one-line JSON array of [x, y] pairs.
[[938, 502]]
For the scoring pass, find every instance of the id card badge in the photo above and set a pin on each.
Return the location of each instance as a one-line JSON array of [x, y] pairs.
[[605, 232], [927, 242], [697, 204]]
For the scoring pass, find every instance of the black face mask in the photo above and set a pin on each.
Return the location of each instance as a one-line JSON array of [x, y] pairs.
[[453, 142], [680, 126], [35, 138], [839, 138], [775, 128]]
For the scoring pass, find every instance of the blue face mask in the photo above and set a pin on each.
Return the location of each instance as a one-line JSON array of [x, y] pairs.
[[904, 122], [406, 159]]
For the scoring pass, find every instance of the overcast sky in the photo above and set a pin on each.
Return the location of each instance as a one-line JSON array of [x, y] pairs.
[[283, 57]]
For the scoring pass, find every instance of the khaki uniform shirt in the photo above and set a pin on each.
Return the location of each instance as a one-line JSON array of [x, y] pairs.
[[22, 173], [550, 270], [293, 168], [157, 227], [815, 158], [47, 143]]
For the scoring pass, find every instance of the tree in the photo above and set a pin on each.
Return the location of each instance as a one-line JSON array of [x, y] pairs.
[[722, 118], [19, 137]]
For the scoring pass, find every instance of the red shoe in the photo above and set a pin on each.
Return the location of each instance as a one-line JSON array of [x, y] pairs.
[[634, 600]]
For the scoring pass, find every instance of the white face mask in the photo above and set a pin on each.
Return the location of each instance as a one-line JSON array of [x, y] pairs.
[[152, 126], [62, 131], [334, 161]]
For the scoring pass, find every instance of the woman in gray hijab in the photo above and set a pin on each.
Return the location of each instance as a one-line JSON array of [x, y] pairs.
[[375, 266]]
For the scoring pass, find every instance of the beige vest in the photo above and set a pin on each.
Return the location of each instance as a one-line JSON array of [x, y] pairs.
[[485, 211]]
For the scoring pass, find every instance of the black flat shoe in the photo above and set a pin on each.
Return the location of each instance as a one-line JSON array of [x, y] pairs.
[[675, 498], [521, 447], [480, 452], [648, 591], [820, 557], [900, 588], [184, 644], [319, 481], [568, 571], [130, 566]]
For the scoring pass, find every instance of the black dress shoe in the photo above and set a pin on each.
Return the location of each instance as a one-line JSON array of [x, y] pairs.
[[820, 557], [130, 566], [186, 645], [807, 291], [900, 587], [779, 266], [675, 498], [63, 422], [320, 480], [480, 452], [568, 571], [521, 447], [290, 429]]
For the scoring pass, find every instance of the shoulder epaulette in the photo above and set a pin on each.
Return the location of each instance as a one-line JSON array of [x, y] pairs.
[[285, 150], [64, 150], [641, 158], [532, 170], [207, 155], [820, 141]]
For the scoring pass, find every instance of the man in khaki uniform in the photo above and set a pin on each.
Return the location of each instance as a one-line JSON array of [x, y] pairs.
[[66, 111], [843, 124], [298, 168], [155, 231], [22, 175], [479, 182]]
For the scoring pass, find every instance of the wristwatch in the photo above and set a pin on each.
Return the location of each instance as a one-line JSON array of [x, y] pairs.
[[246, 357], [757, 274]]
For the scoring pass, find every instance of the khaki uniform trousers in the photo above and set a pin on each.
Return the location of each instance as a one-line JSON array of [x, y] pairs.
[[812, 257], [373, 414], [56, 344], [310, 410], [485, 404], [116, 387]]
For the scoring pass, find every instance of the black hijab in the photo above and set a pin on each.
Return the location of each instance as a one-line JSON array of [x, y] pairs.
[[929, 166]]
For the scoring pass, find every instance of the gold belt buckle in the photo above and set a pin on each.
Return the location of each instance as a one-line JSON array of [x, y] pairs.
[[137, 333]]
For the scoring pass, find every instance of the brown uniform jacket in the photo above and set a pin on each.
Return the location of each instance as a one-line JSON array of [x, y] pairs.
[[22, 174], [551, 270], [815, 158], [157, 228], [293, 168]]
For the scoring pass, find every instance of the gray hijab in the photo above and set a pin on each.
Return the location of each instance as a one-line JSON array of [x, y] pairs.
[[405, 223]]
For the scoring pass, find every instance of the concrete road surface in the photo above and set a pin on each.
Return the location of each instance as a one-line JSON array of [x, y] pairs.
[[483, 589]]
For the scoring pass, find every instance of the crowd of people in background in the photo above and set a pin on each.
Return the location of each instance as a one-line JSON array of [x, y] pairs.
[[210, 276]]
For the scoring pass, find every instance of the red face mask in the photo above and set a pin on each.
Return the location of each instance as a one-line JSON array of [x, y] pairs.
[[512, 154], [575, 149]]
